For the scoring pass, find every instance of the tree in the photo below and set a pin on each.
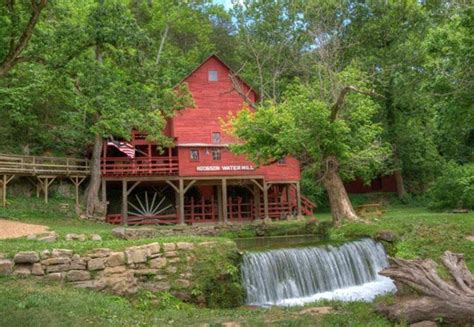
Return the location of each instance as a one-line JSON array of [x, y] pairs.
[[334, 136]]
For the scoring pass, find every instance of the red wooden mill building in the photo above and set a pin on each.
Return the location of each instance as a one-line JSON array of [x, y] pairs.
[[199, 180]]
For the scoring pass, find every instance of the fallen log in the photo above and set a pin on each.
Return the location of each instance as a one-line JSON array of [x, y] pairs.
[[451, 302]]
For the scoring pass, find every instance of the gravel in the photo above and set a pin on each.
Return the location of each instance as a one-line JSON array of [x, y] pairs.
[[14, 229]]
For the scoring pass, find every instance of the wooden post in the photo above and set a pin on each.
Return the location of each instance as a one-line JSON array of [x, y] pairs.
[[4, 190], [219, 203], [256, 201], [265, 199], [77, 181], [298, 198], [181, 201], [224, 200], [45, 182], [124, 203]]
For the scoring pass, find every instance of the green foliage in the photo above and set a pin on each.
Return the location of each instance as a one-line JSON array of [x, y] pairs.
[[217, 272], [454, 188]]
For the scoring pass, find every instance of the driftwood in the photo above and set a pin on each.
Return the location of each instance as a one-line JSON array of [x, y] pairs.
[[451, 302]]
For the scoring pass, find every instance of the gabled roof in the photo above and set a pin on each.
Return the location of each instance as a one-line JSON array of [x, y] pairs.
[[227, 66]]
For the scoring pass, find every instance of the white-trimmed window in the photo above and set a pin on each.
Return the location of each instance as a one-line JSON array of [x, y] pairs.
[[216, 154], [216, 137], [194, 155], [212, 76]]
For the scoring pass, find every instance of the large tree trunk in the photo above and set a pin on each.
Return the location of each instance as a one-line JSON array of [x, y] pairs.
[[450, 302], [401, 192], [92, 192], [341, 206]]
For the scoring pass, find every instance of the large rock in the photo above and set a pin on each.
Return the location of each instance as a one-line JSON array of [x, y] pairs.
[[122, 284], [96, 237], [169, 247], [183, 283], [22, 270], [158, 263], [185, 246], [77, 275], [56, 261], [134, 233], [96, 264], [62, 253], [37, 269], [100, 253], [386, 235], [115, 259], [6, 267], [136, 254], [26, 257]]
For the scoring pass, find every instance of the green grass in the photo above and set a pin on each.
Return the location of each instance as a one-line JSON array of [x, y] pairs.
[[28, 302]]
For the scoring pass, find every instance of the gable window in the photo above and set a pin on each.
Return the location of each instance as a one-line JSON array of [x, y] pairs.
[[212, 75], [216, 137], [216, 154], [194, 155]]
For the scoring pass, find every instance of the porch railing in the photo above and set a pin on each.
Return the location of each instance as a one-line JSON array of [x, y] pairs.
[[119, 166]]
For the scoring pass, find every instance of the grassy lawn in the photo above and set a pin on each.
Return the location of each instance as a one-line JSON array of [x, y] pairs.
[[30, 302]]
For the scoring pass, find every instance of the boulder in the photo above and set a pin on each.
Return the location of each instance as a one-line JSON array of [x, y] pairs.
[[62, 253], [115, 259], [37, 270], [77, 275], [122, 284], [136, 254], [158, 263], [56, 261], [169, 247], [50, 238], [56, 276], [22, 270], [6, 267], [185, 246], [114, 270], [96, 237], [58, 268], [386, 235], [96, 264], [182, 283], [26, 257]]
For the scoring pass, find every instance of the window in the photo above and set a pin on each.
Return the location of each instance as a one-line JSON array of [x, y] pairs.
[[216, 154], [216, 137], [282, 161], [212, 75], [194, 155]]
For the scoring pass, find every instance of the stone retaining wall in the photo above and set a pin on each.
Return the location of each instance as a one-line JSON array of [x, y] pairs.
[[153, 267]]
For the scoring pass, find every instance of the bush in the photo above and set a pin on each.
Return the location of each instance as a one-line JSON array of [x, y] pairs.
[[454, 188]]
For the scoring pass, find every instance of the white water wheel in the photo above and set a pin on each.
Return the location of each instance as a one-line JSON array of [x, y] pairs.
[[148, 206]]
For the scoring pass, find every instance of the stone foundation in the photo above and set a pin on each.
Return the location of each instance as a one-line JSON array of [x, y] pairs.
[[153, 267]]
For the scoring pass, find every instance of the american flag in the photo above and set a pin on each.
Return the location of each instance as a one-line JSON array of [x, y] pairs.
[[124, 147]]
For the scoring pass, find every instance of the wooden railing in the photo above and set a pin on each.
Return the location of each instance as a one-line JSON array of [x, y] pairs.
[[119, 166], [45, 166]]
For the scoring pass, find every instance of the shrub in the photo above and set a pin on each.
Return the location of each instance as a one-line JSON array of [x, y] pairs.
[[454, 188]]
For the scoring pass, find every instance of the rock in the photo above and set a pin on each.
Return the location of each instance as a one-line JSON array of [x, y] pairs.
[[153, 248], [50, 238], [77, 275], [6, 267], [169, 246], [75, 237], [158, 263], [171, 254], [136, 254], [37, 270], [425, 323], [81, 237], [91, 284], [62, 253], [185, 246], [162, 286], [56, 261], [32, 237], [171, 270], [96, 264], [317, 311], [26, 257], [57, 276], [386, 235], [134, 233], [183, 283], [231, 324], [114, 270], [96, 237], [174, 260], [145, 272], [470, 236], [45, 254], [100, 253], [69, 237], [58, 268], [122, 284], [115, 259], [22, 270], [78, 263], [208, 244]]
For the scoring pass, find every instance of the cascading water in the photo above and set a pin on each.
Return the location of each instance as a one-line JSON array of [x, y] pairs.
[[296, 276]]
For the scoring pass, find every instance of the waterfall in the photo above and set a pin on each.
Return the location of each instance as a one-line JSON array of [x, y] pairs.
[[296, 276]]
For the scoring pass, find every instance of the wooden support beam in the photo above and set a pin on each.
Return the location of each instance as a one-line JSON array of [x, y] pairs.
[[5, 180], [170, 183], [219, 203], [265, 200], [256, 199], [257, 183], [189, 185], [45, 182], [298, 198], [77, 181], [133, 187], [181, 201], [124, 203], [224, 200]]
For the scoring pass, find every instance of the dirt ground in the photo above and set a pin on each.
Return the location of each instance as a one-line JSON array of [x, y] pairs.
[[14, 229]]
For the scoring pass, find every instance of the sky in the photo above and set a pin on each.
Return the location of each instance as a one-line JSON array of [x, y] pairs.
[[227, 3]]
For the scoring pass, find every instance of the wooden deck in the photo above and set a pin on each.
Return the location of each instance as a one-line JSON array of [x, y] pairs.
[[42, 171]]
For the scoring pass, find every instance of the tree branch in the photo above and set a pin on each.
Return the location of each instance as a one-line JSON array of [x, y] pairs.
[[237, 87], [15, 50], [342, 95]]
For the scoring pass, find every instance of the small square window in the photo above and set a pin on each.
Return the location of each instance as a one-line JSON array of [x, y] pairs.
[[216, 137], [282, 161], [194, 155], [212, 76], [216, 154]]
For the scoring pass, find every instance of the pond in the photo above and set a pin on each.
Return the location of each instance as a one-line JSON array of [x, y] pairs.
[[278, 242]]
